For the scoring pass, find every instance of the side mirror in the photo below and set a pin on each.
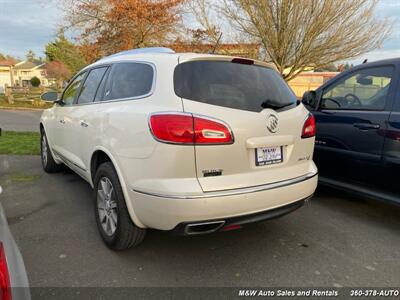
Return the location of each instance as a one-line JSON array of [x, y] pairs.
[[310, 99], [364, 80], [49, 96]]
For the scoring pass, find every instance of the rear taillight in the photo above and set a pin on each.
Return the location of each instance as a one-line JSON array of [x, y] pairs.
[[308, 127], [185, 128], [5, 287], [177, 128], [209, 131]]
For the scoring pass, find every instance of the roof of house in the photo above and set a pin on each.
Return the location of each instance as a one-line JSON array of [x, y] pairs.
[[6, 63], [29, 64]]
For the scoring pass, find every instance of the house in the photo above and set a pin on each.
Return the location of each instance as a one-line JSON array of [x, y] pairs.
[[6, 74], [24, 71], [20, 74], [307, 81]]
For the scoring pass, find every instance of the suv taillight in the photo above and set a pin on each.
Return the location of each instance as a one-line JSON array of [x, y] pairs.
[[308, 127], [186, 128], [5, 287]]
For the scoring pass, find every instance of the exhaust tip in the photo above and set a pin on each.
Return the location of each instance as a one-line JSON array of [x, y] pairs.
[[203, 228]]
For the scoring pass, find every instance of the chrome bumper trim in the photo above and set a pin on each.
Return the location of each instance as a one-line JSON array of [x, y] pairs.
[[233, 192]]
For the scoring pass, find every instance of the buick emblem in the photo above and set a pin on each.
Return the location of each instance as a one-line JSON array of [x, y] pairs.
[[272, 123]]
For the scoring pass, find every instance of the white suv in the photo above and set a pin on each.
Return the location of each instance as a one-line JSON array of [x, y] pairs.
[[184, 142]]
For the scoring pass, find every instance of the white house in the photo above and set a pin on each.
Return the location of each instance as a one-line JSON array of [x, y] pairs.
[[6, 74], [24, 71]]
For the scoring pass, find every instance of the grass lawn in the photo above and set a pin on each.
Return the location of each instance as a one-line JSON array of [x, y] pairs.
[[20, 143], [24, 177]]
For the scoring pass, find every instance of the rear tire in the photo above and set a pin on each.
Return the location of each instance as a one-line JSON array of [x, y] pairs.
[[113, 220], [48, 162]]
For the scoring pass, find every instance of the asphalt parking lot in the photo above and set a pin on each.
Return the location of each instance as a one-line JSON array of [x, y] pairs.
[[334, 241]]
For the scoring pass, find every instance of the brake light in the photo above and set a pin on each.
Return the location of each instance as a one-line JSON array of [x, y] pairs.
[[243, 61], [5, 287], [189, 129], [309, 129], [172, 128]]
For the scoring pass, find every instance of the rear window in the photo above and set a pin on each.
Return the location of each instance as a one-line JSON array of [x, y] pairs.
[[233, 85]]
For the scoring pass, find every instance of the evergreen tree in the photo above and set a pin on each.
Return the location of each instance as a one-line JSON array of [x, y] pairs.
[[65, 51]]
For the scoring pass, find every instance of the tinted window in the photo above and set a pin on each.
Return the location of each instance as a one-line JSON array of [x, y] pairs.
[[233, 85], [128, 80], [89, 88], [362, 90], [72, 90], [100, 90]]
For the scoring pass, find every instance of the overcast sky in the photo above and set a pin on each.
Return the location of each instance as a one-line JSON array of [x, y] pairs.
[[30, 24]]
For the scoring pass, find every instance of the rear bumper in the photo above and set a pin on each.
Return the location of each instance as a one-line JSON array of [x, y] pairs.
[[166, 212], [182, 228]]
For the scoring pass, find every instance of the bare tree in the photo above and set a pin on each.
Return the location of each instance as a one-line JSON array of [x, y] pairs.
[[298, 34], [59, 71], [202, 11], [84, 16]]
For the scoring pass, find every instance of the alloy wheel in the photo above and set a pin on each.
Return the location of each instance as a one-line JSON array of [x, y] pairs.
[[44, 150], [107, 206]]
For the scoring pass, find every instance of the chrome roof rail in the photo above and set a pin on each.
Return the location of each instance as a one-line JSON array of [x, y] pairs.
[[142, 51]]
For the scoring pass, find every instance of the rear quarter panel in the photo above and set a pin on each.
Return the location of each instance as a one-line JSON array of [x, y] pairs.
[[141, 162]]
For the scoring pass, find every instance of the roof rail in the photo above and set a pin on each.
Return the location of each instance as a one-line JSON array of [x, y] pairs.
[[142, 51]]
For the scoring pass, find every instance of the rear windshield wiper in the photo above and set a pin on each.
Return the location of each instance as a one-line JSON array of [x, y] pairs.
[[273, 104]]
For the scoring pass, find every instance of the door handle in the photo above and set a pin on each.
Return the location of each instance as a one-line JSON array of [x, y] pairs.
[[62, 121], [328, 112], [366, 126], [84, 124]]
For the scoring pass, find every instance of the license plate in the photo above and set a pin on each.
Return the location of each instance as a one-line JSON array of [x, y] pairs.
[[269, 155]]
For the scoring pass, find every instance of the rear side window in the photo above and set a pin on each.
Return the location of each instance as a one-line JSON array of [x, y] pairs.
[[102, 86], [129, 80], [89, 88], [233, 85]]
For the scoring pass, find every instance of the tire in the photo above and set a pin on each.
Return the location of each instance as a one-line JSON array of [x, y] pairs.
[[113, 220], [48, 162]]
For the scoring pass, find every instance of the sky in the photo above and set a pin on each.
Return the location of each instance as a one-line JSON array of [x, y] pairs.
[[27, 24], [30, 24]]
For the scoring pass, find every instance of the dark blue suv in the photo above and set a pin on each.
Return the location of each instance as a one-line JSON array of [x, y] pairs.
[[358, 130]]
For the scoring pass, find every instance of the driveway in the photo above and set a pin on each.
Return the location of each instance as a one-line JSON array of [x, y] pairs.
[[20, 120], [332, 242]]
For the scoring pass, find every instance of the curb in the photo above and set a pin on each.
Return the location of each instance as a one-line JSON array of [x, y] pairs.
[[21, 108]]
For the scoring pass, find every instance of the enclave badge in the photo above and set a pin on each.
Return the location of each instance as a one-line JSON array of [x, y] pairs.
[[272, 123]]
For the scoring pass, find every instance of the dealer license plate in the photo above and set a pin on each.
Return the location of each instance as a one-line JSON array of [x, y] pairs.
[[269, 155]]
